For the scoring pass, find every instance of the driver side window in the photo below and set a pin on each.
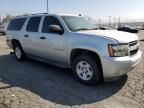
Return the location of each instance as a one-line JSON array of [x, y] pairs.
[[49, 20]]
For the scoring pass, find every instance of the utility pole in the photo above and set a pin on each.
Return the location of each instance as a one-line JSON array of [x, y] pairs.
[[99, 22], [114, 22], [47, 7], [109, 21], [119, 22], [0, 19]]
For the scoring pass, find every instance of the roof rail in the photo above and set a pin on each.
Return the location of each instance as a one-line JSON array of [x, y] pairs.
[[38, 13], [30, 14]]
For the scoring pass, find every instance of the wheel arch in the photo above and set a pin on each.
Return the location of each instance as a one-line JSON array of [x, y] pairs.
[[14, 42], [79, 51]]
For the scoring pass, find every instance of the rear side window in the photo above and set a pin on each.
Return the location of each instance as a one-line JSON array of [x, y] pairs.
[[16, 24], [49, 20], [33, 24]]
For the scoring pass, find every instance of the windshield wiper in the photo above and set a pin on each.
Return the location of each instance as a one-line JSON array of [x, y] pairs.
[[94, 29], [86, 29], [81, 29]]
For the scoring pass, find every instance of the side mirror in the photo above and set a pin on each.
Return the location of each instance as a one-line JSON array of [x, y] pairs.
[[55, 29]]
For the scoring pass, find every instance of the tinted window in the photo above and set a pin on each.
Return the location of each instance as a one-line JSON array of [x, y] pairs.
[[16, 24], [49, 20], [33, 24]]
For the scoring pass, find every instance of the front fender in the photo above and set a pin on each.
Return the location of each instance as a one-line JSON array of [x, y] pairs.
[[95, 44]]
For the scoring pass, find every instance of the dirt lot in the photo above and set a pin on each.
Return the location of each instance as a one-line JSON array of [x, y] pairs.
[[32, 84]]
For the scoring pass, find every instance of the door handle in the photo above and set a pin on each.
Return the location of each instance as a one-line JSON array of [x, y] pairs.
[[43, 38], [26, 35]]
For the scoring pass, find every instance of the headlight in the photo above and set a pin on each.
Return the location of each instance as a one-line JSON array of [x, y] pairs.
[[118, 50]]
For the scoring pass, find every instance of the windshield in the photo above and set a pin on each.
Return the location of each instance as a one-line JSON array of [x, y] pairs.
[[75, 23]]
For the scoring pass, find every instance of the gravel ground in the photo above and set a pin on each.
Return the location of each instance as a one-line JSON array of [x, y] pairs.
[[32, 84]]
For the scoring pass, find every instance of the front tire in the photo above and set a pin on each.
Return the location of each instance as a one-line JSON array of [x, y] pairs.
[[19, 53], [87, 70]]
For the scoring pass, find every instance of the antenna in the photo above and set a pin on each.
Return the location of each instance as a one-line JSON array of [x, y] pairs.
[[80, 15]]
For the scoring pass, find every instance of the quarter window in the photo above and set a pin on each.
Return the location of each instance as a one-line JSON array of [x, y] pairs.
[[49, 20], [16, 24], [33, 24]]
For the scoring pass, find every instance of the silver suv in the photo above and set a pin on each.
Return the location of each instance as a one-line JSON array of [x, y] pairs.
[[70, 41]]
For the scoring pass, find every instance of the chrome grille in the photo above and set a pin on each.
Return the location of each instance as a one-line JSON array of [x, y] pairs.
[[134, 47]]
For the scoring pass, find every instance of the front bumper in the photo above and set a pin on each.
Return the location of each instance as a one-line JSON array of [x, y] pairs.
[[117, 66]]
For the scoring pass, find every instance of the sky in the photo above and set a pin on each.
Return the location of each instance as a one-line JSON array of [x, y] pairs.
[[126, 9]]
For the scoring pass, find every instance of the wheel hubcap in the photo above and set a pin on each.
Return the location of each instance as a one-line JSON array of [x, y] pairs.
[[84, 70], [18, 52]]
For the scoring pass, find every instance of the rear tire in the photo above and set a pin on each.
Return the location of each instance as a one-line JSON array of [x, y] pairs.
[[87, 70], [19, 53]]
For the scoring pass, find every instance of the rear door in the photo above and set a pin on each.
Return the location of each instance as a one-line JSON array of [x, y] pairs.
[[31, 35]]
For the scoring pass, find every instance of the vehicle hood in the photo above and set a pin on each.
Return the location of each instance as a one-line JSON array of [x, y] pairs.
[[121, 37]]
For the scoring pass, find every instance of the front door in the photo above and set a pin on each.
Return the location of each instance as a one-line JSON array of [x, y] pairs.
[[53, 45]]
